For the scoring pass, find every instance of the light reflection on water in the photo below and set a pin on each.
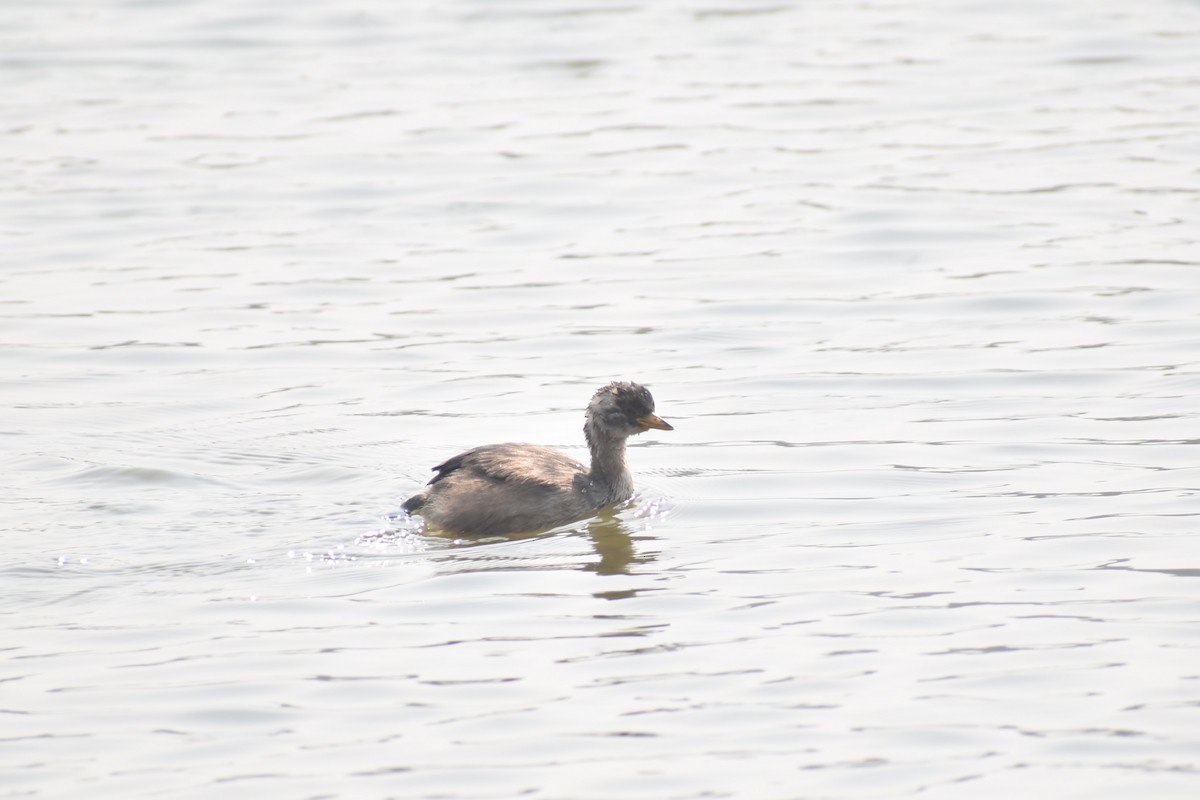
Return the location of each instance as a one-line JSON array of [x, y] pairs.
[[915, 284]]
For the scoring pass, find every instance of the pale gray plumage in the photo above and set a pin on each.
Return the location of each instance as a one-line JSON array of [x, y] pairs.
[[513, 488]]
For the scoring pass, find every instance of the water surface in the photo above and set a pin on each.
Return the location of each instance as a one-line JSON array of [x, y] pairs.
[[916, 283]]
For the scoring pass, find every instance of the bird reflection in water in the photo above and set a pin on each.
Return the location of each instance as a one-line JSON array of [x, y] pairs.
[[614, 549]]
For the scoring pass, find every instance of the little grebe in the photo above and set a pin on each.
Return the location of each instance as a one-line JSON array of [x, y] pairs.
[[513, 488]]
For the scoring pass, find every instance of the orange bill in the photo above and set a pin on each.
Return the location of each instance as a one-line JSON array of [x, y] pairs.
[[654, 421]]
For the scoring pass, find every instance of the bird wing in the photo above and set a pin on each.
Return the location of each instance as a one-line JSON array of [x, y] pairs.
[[519, 463]]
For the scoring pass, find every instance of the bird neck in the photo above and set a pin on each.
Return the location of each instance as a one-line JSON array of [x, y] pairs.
[[609, 471]]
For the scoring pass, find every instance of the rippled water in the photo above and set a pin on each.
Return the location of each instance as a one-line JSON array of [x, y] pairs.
[[917, 283]]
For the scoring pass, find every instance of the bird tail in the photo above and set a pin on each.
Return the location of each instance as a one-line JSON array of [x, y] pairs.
[[415, 502]]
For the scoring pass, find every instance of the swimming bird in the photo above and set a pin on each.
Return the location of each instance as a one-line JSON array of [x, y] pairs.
[[515, 488]]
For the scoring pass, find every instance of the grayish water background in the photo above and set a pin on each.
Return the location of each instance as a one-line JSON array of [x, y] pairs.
[[915, 281]]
